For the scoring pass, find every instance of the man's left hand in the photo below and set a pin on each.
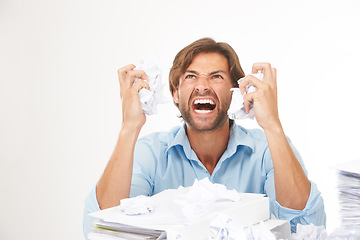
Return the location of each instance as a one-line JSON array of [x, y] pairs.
[[264, 99]]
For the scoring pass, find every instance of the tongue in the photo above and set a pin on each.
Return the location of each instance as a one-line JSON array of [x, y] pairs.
[[204, 106]]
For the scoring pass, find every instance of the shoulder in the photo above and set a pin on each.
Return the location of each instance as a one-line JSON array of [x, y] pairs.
[[256, 134], [159, 139], [152, 148]]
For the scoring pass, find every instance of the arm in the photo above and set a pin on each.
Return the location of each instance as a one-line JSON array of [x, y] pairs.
[[314, 210], [292, 186], [115, 182]]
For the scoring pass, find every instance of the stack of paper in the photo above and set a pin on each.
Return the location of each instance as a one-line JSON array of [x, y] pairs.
[[184, 213], [349, 194]]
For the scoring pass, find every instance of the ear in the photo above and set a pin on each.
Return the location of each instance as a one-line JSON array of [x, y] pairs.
[[175, 96]]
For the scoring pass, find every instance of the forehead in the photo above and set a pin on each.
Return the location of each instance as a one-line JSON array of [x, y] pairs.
[[207, 62]]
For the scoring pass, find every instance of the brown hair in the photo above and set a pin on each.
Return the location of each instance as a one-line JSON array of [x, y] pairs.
[[184, 58]]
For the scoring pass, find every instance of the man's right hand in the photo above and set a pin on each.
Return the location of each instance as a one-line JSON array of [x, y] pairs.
[[132, 114], [115, 183]]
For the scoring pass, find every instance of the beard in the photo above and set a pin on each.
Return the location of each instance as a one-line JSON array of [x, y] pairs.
[[205, 124]]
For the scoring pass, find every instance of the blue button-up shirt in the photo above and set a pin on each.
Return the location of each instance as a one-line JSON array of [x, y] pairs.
[[165, 160]]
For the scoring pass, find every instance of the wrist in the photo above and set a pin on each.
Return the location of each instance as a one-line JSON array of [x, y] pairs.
[[275, 128], [130, 131], [132, 125]]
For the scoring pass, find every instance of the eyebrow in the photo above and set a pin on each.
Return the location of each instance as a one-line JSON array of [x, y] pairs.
[[211, 73]]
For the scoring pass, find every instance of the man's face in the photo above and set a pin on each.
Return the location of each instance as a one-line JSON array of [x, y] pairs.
[[204, 93]]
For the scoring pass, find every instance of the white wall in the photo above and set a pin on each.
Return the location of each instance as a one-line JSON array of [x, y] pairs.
[[59, 95]]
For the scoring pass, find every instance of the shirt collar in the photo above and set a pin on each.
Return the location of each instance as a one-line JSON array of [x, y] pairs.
[[238, 136], [181, 139]]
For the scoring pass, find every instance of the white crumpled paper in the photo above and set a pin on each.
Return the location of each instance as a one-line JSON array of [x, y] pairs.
[[150, 98], [260, 233], [312, 232], [237, 109], [344, 234], [203, 197], [309, 232], [136, 206], [188, 204], [223, 228]]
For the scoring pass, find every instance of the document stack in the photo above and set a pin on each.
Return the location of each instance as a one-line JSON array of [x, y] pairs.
[[349, 194], [202, 211]]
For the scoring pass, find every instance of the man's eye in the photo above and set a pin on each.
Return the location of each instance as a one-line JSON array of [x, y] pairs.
[[190, 76], [217, 77]]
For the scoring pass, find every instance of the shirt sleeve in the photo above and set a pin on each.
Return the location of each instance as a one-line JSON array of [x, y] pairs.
[[144, 167], [312, 213]]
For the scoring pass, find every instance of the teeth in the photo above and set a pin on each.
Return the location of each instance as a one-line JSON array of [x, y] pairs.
[[202, 111], [204, 101]]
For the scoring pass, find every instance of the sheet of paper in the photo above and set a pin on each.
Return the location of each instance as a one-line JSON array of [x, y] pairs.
[[350, 167], [349, 194]]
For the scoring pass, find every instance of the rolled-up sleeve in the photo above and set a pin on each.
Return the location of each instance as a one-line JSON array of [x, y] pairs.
[[312, 213], [144, 168], [314, 209]]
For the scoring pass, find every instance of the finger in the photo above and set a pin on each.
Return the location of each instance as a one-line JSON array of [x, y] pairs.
[[130, 78], [248, 99], [124, 70], [140, 84], [274, 74], [249, 79], [134, 74], [265, 68]]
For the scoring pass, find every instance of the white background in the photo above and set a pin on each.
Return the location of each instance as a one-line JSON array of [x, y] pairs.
[[60, 110]]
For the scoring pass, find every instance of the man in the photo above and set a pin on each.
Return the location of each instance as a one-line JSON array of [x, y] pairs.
[[209, 144]]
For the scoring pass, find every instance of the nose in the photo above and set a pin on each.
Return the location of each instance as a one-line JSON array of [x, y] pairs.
[[202, 84]]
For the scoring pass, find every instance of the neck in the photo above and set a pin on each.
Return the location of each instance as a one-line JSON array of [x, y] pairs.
[[209, 146]]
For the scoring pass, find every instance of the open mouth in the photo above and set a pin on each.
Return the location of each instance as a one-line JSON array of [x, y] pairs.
[[204, 105]]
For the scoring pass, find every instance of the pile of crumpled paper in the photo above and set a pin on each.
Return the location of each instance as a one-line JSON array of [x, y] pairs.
[[312, 232]]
